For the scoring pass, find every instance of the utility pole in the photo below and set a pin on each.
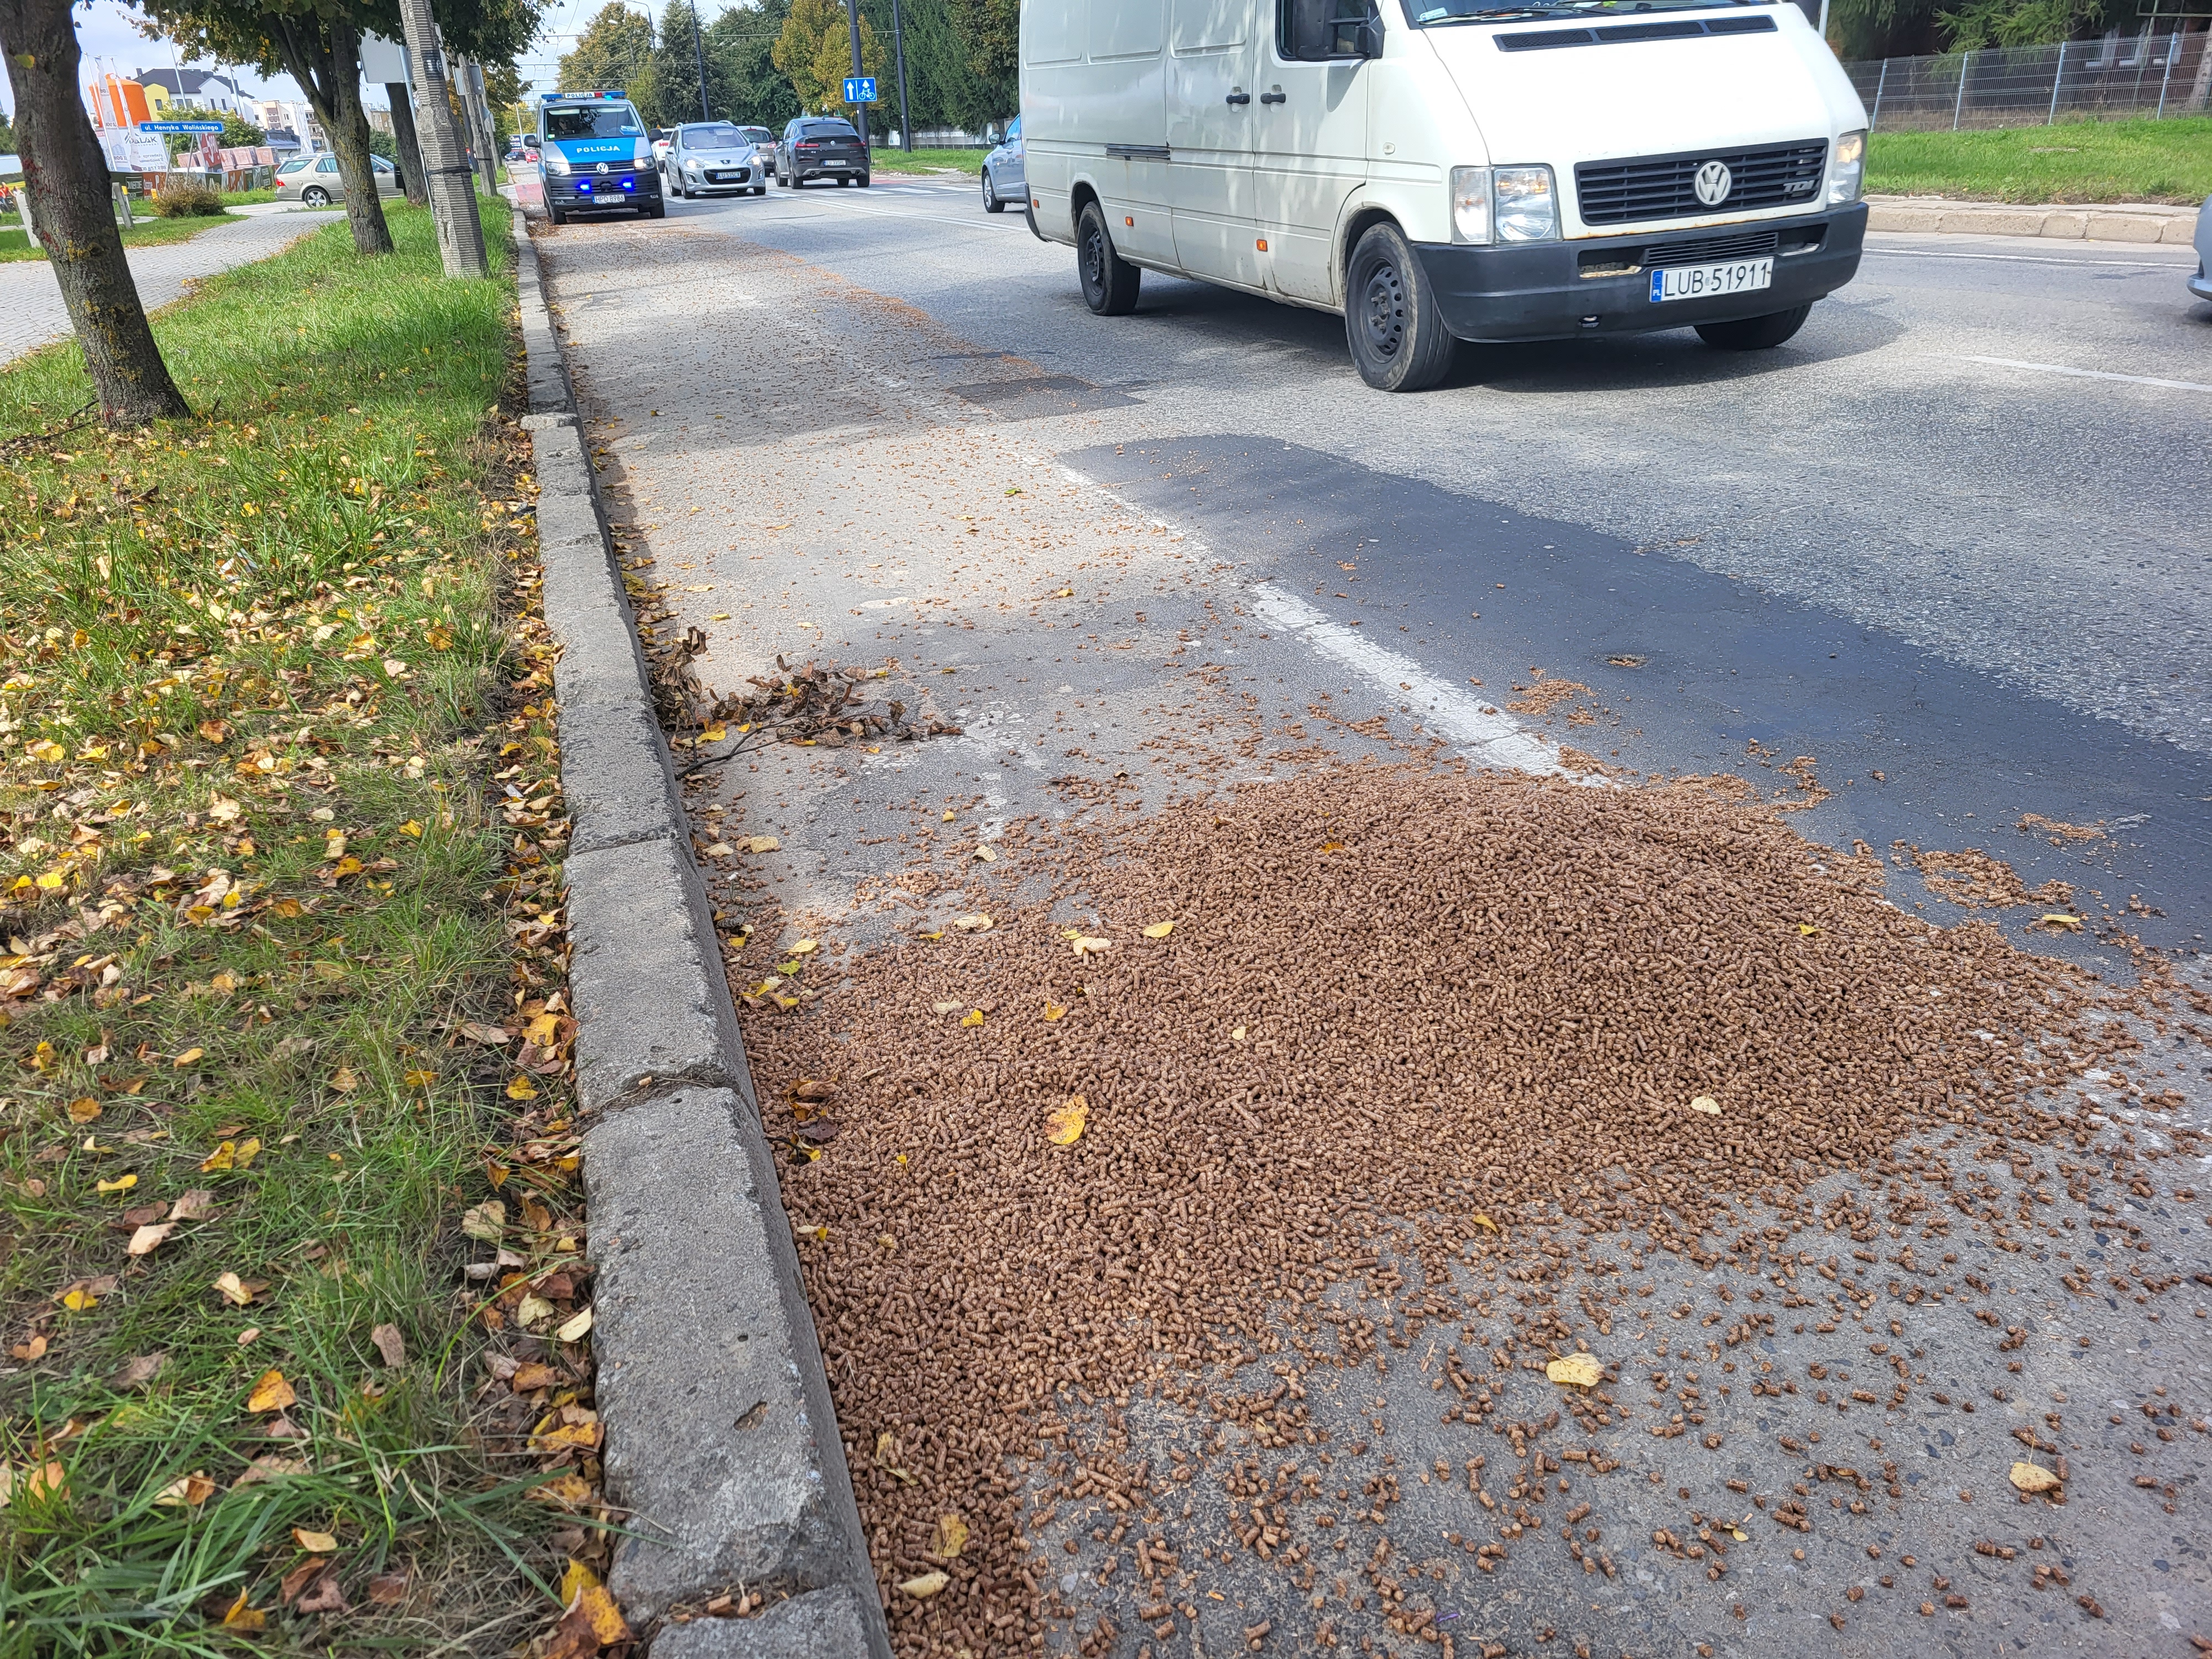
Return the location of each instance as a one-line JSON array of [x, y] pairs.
[[853, 25], [445, 168], [898, 44], [699, 46]]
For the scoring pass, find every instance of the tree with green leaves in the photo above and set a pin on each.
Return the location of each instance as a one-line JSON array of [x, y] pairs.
[[615, 50], [741, 60], [65, 176], [815, 50], [675, 64], [991, 30]]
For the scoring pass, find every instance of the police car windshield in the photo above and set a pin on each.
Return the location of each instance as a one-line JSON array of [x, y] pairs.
[[592, 121], [719, 137]]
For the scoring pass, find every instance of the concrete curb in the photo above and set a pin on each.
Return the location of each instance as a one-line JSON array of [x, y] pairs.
[[722, 1440], [2140, 221]]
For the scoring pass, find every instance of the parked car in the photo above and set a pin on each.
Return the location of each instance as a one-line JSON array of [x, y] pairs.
[[314, 181], [2201, 283], [706, 158], [662, 138], [1448, 170], [761, 139], [1004, 178], [820, 146]]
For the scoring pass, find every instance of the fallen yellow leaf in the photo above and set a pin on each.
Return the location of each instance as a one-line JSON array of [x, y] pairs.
[[315, 1543], [1091, 947], [248, 1149], [1808, 929], [271, 1394], [79, 1301], [2072, 924], [1065, 1126], [576, 1328], [1482, 1220], [986, 854], [1159, 930], [2034, 1477], [1706, 1104], [486, 1221], [805, 946], [185, 1059], [345, 1080], [521, 1089], [925, 1586], [148, 1239], [605, 1617], [120, 1184], [542, 1029], [186, 1491], [84, 1110], [1054, 1010], [1580, 1370], [411, 827], [763, 843], [951, 1537], [220, 1159], [241, 1617], [973, 1017], [234, 1290]]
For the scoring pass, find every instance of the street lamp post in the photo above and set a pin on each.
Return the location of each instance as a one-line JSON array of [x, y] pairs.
[[898, 44], [698, 45], [852, 27]]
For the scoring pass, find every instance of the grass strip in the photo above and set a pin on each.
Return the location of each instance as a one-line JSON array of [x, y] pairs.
[[882, 158], [2140, 160], [16, 246], [285, 1037]]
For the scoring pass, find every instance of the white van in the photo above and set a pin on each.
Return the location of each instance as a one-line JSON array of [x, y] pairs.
[[1442, 170]]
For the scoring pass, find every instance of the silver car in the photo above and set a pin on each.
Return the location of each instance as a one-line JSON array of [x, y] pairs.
[[1005, 181], [313, 180], [2201, 283], [706, 158]]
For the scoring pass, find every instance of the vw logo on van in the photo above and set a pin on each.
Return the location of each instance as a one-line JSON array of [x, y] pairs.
[[1701, 179], [1713, 183]]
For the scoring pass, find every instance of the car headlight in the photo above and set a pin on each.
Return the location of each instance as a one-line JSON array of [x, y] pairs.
[[1847, 172], [556, 164], [642, 156], [1470, 205], [1528, 208]]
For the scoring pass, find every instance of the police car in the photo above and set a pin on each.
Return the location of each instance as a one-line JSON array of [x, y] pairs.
[[596, 155]]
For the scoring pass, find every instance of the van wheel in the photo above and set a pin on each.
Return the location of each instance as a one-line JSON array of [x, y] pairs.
[[555, 215], [1398, 338], [1755, 333], [1109, 282]]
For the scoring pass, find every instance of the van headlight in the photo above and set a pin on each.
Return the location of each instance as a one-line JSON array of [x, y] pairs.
[[556, 164], [1848, 171], [1528, 208], [1470, 205]]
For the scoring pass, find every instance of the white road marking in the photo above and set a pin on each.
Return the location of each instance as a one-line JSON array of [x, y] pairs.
[[1485, 736], [2179, 263], [2091, 374]]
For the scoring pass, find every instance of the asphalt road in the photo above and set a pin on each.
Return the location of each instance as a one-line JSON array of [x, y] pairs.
[[882, 426]]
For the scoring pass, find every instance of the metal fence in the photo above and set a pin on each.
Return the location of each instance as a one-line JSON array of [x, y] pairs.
[[2162, 74]]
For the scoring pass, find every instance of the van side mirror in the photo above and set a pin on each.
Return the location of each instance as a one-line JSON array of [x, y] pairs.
[[1367, 36]]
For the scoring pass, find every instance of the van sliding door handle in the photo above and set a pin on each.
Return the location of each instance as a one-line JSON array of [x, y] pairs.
[[1240, 96], [1276, 97]]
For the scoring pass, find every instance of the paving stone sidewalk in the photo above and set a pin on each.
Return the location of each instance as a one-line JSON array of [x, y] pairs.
[[31, 310]]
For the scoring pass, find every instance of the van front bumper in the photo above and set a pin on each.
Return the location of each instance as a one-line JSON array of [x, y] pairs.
[[1539, 291], [586, 191]]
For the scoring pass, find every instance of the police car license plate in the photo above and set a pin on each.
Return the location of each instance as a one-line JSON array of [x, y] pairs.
[[1709, 282]]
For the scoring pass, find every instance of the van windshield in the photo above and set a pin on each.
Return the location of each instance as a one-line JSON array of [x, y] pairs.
[[608, 121], [1424, 13]]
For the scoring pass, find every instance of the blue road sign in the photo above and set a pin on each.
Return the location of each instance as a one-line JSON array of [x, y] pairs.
[[180, 126], [859, 89]]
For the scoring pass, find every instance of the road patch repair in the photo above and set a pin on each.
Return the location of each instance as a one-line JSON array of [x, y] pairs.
[[1264, 1181]]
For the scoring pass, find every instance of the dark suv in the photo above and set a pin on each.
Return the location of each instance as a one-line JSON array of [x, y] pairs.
[[820, 146]]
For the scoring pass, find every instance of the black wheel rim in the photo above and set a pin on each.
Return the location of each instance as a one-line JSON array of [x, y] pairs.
[[1094, 259], [1382, 311]]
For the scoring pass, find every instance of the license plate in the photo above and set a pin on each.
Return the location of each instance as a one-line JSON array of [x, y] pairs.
[[832, 164], [1709, 281]]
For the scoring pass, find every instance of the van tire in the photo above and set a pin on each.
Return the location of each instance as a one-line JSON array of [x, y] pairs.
[[1754, 333], [1398, 338], [1109, 282]]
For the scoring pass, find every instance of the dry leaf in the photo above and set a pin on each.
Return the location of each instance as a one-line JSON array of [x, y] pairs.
[[1065, 1126], [490, 1035], [973, 1017], [390, 1345], [1091, 947], [271, 1394], [315, 1543], [951, 1537], [927, 1585], [390, 1588], [533, 1311], [1581, 1370], [220, 1159], [269, 1467], [234, 1290], [1807, 929], [763, 844], [1706, 1104], [248, 1149], [197, 1204], [186, 1491], [84, 1110], [576, 1328], [986, 854], [185, 1059], [120, 1184], [33, 1349], [137, 1371], [975, 924], [1054, 1010], [328, 1596], [486, 1221], [1159, 930], [241, 1617], [521, 1089], [2034, 1477], [345, 1080], [148, 1239], [1482, 1220], [2072, 924]]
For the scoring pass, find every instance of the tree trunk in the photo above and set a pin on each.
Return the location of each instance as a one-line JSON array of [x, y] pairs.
[[65, 172], [325, 58], [409, 147]]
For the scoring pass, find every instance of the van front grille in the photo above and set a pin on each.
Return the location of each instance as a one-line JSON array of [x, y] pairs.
[[1665, 187]]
